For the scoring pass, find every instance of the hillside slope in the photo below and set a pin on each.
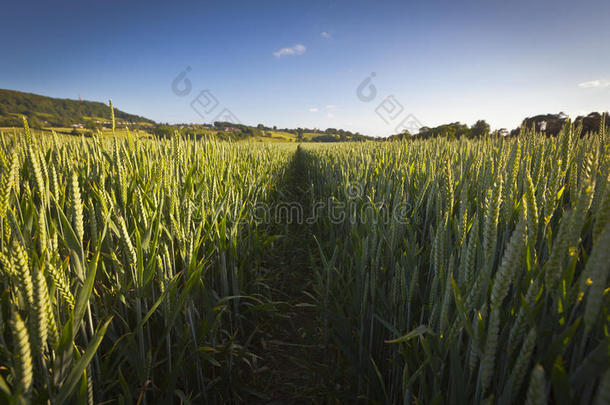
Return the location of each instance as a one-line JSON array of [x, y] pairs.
[[55, 112]]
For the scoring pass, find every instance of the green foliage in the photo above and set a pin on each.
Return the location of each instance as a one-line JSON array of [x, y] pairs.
[[131, 269], [53, 112], [451, 131], [446, 270], [480, 128], [495, 247]]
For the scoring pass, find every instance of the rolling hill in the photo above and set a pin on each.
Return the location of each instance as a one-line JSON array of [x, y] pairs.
[[62, 114], [43, 111]]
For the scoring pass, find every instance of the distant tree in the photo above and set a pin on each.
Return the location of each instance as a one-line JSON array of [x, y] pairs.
[[163, 131], [92, 125], [591, 123], [550, 124], [35, 122], [480, 128], [325, 138]]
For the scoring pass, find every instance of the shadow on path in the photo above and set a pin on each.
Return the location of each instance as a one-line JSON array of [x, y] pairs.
[[293, 365]]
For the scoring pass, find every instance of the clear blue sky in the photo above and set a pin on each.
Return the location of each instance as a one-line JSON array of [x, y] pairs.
[[443, 61]]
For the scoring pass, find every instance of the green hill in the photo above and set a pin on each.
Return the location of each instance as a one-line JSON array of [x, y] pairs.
[[63, 115], [44, 111]]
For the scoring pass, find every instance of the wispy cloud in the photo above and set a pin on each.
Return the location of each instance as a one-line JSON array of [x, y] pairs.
[[330, 115], [313, 109], [298, 49], [595, 83], [330, 106], [325, 34]]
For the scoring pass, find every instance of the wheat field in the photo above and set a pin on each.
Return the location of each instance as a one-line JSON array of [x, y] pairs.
[[488, 284], [443, 271]]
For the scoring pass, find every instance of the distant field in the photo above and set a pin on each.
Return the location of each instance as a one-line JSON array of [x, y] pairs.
[[68, 131], [276, 137], [272, 136], [270, 139], [310, 135]]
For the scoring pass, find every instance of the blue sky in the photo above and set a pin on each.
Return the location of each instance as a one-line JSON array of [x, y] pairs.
[[299, 63]]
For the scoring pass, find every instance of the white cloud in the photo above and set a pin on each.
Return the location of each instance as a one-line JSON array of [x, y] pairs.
[[331, 107], [330, 115], [594, 83], [298, 49], [326, 35], [313, 109]]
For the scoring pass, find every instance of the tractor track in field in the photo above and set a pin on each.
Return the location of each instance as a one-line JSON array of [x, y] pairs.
[[294, 364]]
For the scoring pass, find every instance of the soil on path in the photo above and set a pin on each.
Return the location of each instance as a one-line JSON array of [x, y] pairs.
[[294, 365]]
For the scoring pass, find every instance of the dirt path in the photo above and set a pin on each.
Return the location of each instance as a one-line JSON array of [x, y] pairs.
[[294, 363]]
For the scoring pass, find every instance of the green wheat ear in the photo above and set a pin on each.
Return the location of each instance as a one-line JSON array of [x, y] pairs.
[[112, 115], [77, 207], [63, 288], [602, 130], [7, 182], [536, 392], [26, 130], [23, 356], [40, 312], [24, 277]]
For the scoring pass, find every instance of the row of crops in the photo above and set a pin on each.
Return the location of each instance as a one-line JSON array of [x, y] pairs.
[[136, 271], [130, 269], [468, 272]]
